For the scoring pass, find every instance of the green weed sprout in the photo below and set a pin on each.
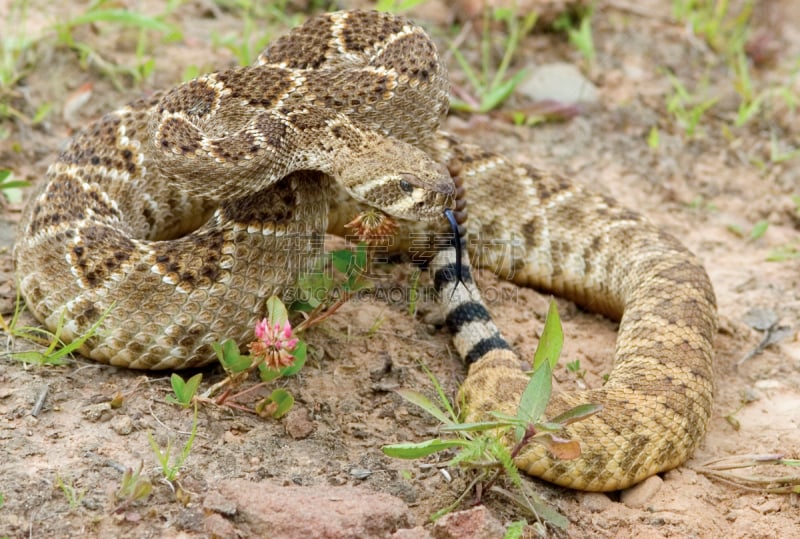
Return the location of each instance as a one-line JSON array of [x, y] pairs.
[[274, 354], [184, 391], [133, 487], [171, 465], [124, 18], [56, 351], [10, 187], [492, 85], [480, 445], [73, 495], [579, 35]]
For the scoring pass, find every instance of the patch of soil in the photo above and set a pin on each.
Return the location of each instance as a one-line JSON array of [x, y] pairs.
[[695, 188]]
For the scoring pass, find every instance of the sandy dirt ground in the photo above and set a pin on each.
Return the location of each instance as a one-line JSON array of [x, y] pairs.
[[709, 190]]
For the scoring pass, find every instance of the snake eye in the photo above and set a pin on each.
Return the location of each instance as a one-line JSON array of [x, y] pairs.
[[406, 186]]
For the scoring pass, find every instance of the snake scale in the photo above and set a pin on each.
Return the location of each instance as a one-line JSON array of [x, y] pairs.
[[177, 215]]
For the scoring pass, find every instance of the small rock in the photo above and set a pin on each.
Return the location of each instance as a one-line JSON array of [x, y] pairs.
[[769, 384], [560, 82], [268, 509], [682, 474], [475, 523], [640, 494], [595, 502], [773, 505], [760, 318], [122, 425], [97, 413], [417, 532], [191, 519], [360, 473], [214, 501], [217, 526], [297, 424]]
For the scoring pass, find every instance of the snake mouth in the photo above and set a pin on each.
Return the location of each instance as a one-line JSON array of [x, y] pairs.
[[408, 198], [428, 206], [428, 200]]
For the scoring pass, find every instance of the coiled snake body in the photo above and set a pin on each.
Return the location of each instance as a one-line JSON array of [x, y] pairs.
[[179, 214]]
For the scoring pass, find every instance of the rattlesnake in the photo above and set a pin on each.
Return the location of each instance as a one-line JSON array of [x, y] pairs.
[[176, 216]]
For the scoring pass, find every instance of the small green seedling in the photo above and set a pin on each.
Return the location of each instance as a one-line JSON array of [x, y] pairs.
[[133, 487], [575, 368], [784, 253], [779, 155], [11, 188], [724, 30], [759, 229], [260, 20], [229, 356], [492, 84], [119, 18], [333, 283], [19, 54], [687, 109], [515, 530], [171, 466], [653, 138], [184, 390], [73, 495], [243, 44], [56, 351], [579, 35], [275, 354], [276, 405]]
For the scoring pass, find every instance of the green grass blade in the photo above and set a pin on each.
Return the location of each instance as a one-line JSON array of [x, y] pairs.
[[578, 413], [475, 427], [425, 403], [535, 397], [496, 96], [77, 343], [421, 449], [551, 341], [472, 77], [442, 395], [122, 17]]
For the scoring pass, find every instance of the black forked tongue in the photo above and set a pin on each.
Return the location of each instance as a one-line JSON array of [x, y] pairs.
[[457, 243]]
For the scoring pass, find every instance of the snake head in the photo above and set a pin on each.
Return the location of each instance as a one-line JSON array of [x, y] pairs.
[[400, 180]]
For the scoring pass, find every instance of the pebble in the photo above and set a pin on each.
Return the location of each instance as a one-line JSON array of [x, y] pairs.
[[417, 532], [122, 425], [475, 523], [769, 384], [558, 81], [640, 494], [269, 509], [773, 505], [214, 501], [360, 473], [97, 413], [595, 502], [297, 424], [216, 525]]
